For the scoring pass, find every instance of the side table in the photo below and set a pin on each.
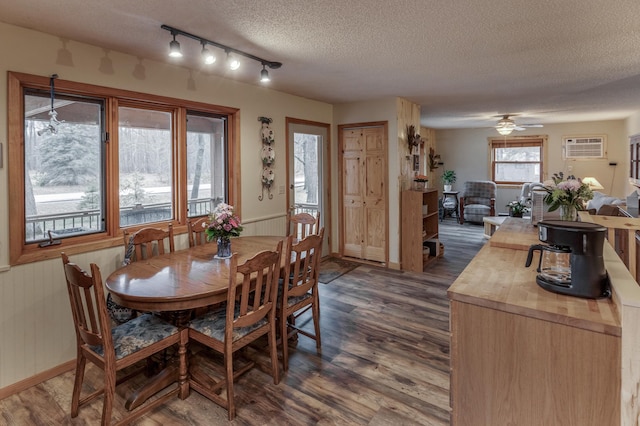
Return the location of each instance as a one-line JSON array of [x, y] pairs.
[[450, 203]]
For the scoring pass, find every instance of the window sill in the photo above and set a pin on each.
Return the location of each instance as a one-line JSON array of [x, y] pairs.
[[38, 254]]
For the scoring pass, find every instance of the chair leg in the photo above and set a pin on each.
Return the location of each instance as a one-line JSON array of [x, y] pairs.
[[228, 362], [273, 350], [109, 394], [77, 384], [315, 309], [285, 341]]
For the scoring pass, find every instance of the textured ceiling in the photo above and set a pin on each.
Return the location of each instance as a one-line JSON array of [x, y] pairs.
[[464, 62]]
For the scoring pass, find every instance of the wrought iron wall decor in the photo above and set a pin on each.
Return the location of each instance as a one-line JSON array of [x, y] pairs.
[[268, 157]]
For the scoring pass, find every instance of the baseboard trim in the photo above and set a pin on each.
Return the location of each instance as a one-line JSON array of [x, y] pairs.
[[37, 379]]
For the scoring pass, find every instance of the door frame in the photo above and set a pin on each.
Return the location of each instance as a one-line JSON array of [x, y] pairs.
[[341, 129], [326, 173]]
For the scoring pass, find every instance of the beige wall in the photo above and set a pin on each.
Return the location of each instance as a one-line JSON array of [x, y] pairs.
[[36, 333], [466, 151]]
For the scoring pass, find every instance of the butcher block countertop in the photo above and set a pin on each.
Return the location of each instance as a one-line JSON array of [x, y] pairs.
[[496, 303], [496, 278]]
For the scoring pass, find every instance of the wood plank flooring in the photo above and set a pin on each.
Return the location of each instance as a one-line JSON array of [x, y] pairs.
[[384, 361]]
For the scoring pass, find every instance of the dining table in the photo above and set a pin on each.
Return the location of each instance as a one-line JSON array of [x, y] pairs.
[[175, 284]]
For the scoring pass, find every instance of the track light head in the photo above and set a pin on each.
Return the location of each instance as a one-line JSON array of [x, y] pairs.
[[233, 62], [174, 48], [207, 57], [264, 75]]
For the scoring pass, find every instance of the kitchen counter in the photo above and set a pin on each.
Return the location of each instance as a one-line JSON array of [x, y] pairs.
[[523, 355]]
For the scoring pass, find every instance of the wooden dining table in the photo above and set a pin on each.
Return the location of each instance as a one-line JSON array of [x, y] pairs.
[[176, 284]]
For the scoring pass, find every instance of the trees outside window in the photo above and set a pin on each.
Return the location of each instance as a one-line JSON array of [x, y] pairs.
[[118, 159]]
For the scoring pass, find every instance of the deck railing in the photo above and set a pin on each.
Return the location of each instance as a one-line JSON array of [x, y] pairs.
[[88, 221]]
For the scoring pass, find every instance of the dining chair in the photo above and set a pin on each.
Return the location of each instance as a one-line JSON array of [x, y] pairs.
[[248, 315], [195, 230], [300, 292], [112, 348], [146, 243], [302, 224]]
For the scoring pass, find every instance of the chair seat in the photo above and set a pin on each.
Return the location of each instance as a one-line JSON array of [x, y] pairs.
[[138, 334], [212, 324], [291, 300]]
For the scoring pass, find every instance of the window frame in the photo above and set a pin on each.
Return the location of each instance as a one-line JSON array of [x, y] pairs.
[[513, 142], [19, 251]]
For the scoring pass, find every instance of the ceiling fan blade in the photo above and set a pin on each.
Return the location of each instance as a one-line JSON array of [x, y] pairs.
[[530, 125]]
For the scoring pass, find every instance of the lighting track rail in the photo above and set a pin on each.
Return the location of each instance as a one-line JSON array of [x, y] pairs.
[[174, 48]]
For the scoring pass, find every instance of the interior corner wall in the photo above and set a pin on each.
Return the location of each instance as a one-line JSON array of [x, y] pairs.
[[36, 332], [467, 152], [361, 112]]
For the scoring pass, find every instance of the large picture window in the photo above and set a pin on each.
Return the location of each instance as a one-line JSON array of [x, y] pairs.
[[63, 170], [118, 159], [145, 172], [206, 165], [516, 161]]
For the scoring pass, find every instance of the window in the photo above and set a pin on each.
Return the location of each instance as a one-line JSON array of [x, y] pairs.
[[119, 159], [517, 160], [63, 171], [145, 172], [206, 168]]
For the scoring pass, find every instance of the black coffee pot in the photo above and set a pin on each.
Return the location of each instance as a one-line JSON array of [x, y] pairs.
[[582, 244]]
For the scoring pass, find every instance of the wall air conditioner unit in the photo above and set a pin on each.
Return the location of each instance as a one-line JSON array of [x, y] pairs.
[[581, 147]]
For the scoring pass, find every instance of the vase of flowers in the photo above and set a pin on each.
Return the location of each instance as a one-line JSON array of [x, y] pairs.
[[569, 195], [223, 224]]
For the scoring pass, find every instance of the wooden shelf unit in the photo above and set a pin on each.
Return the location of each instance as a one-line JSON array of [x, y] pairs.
[[417, 227]]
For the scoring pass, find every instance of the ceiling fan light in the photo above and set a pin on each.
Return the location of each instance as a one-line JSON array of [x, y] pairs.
[[504, 130]]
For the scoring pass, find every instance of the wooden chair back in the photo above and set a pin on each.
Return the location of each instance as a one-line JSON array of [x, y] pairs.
[[249, 314], [95, 342], [88, 305], [300, 290], [147, 242], [301, 225], [255, 295], [195, 229]]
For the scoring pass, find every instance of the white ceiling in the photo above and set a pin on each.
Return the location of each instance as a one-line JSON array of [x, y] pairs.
[[464, 62]]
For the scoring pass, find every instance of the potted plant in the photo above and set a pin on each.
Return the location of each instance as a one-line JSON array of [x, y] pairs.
[[517, 208], [448, 178]]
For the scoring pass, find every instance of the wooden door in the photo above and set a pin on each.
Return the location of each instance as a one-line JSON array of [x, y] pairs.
[[364, 193]]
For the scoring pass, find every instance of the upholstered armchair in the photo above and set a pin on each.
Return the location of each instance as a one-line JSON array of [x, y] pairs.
[[477, 201]]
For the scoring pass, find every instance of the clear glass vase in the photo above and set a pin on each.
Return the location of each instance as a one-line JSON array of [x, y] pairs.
[[568, 212], [224, 248]]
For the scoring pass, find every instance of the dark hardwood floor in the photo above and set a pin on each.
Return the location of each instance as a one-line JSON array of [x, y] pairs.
[[384, 361]]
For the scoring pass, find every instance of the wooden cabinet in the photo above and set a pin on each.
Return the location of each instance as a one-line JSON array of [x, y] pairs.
[[419, 224], [525, 356]]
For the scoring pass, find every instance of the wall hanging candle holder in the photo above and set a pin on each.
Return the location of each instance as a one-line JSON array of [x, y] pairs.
[[268, 157]]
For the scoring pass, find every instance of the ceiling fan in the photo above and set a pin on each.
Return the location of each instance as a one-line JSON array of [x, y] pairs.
[[506, 125]]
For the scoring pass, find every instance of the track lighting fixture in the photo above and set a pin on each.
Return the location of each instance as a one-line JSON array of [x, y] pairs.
[[174, 47], [233, 62], [209, 58], [264, 75]]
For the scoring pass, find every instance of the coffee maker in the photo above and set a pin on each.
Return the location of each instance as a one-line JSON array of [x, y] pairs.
[[571, 263]]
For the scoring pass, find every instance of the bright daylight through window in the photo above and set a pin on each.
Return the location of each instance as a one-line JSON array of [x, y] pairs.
[[64, 183], [516, 161], [111, 159]]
